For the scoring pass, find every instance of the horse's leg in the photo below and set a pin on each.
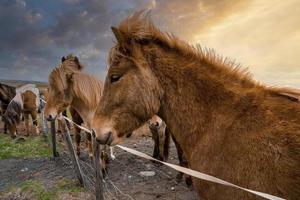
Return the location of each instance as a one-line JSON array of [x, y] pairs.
[[78, 120], [64, 113], [104, 160], [155, 138], [90, 146], [26, 115], [5, 128], [35, 122], [13, 130], [182, 162], [165, 146], [77, 139], [22, 121], [59, 128]]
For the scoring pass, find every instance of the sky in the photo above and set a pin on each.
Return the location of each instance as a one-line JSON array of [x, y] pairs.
[[261, 35]]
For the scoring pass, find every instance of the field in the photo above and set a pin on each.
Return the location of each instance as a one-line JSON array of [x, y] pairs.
[[28, 172]]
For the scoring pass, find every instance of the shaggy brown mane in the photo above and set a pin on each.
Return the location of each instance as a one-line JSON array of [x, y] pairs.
[[83, 85], [57, 79], [139, 28]]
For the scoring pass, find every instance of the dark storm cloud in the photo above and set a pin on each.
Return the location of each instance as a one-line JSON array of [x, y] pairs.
[[81, 27], [36, 34]]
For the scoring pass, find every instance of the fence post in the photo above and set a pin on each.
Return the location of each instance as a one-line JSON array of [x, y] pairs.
[[44, 123], [53, 136], [74, 158], [98, 171]]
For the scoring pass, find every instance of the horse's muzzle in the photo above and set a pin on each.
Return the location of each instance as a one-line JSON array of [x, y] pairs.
[[50, 117]]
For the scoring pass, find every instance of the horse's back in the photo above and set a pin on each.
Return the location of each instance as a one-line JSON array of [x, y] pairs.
[[29, 99]]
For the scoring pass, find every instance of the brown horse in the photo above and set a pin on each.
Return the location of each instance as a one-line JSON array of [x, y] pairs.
[[161, 136], [7, 93], [26, 102], [227, 125], [78, 90], [71, 63]]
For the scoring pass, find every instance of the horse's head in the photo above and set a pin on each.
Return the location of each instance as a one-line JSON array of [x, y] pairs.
[[59, 94], [71, 63], [131, 92], [11, 127]]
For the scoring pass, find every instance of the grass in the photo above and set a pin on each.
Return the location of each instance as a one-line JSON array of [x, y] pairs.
[[31, 147], [36, 190]]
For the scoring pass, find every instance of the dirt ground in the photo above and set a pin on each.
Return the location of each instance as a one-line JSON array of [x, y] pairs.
[[123, 180]]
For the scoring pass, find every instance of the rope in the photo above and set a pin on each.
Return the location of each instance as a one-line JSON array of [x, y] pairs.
[[198, 174], [187, 171]]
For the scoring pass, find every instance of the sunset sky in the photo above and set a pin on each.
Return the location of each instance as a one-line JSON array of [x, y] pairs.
[[262, 35]]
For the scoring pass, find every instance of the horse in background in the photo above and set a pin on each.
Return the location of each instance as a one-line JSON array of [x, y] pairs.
[[227, 124], [80, 91], [26, 102], [7, 93], [161, 136], [72, 63], [69, 64]]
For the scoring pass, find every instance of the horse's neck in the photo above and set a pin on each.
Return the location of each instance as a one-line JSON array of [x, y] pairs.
[[86, 108], [86, 114], [191, 99], [179, 109]]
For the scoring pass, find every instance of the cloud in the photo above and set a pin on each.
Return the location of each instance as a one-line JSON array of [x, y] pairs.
[[263, 35], [264, 38], [183, 18]]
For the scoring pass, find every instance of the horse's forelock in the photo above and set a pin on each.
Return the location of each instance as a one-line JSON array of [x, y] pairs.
[[114, 54], [57, 79]]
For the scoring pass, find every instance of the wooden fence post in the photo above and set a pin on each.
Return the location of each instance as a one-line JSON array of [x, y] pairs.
[[53, 136], [74, 158], [44, 123], [98, 172]]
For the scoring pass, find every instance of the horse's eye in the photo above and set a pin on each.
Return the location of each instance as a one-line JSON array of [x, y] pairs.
[[114, 78]]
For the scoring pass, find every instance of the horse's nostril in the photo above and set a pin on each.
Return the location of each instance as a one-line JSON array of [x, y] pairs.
[[93, 133], [50, 117]]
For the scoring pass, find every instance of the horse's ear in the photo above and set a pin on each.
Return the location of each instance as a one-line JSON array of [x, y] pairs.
[[76, 60], [63, 59], [123, 41], [118, 35], [70, 78], [80, 66]]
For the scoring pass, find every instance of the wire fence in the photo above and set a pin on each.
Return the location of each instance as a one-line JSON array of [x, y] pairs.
[[87, 171], [105, 189]]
